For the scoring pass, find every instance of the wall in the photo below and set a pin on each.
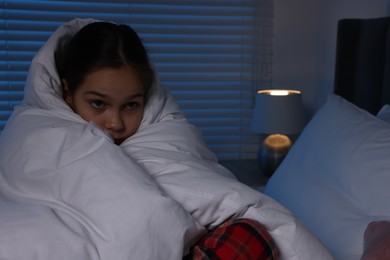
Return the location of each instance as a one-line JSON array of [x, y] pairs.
[[305, 41]]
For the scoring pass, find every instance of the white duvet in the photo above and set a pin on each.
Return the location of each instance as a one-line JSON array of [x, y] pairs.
[[68, 192]]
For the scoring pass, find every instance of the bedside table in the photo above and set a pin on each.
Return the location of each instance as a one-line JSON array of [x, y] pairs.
[[247, 171]]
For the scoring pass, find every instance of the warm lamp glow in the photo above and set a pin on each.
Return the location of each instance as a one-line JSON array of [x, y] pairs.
[[279, 92], [278, 142]]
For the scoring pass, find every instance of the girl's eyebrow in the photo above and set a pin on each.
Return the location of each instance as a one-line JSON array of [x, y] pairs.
[[137, 95], [96, 93], [92, 92]]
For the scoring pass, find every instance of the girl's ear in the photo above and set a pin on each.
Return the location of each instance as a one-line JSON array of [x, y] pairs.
[[66, 94]]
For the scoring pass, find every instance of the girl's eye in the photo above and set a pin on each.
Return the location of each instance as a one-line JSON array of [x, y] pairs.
[[97, 104], [132, 105]]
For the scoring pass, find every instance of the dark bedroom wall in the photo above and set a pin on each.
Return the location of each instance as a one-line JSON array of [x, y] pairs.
[[305, 40]]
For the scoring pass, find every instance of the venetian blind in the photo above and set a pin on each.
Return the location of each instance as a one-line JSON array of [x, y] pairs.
[[211, 54]]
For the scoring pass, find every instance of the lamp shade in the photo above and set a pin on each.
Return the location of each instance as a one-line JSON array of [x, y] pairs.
[[278, 111]]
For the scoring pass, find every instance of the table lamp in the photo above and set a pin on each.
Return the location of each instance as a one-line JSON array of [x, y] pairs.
[[278, 114]]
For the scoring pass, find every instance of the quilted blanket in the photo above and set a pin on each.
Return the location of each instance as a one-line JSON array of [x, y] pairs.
[[71, 193]]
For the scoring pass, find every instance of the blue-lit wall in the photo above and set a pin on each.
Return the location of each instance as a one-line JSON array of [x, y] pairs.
[[305, 41]]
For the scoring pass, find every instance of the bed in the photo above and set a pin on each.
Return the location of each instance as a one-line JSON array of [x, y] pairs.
[[332, 184], [336, 177]]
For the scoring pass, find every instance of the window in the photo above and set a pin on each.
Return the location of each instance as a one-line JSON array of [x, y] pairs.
[[211, 54]]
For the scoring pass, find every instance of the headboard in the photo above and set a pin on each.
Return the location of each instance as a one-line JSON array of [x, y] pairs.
[[362, 72]]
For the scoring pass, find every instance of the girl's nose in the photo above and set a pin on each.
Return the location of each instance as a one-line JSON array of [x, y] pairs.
[[114, 121]]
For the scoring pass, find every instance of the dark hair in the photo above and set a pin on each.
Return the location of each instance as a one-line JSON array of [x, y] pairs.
[[104, 45]]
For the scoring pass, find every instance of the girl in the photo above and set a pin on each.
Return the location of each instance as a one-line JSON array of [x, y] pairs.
[[106, 76]]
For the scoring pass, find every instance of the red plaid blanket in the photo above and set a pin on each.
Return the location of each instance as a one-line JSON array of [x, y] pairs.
[[239, 239]]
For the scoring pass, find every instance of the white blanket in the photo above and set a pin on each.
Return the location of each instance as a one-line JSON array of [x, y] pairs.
[[151, 197]]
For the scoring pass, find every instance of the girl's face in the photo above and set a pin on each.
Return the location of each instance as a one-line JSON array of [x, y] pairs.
[[112, 99]]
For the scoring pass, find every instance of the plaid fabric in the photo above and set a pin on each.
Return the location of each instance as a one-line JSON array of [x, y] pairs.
[[240, 239]]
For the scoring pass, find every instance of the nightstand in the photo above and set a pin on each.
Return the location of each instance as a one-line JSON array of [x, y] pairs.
[[247, 171]]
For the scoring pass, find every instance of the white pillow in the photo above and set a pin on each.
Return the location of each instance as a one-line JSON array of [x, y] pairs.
[[336, 177], [384, 113]]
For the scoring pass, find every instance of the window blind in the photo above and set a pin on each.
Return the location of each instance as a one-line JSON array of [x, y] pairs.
[[212, 54]]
